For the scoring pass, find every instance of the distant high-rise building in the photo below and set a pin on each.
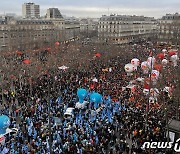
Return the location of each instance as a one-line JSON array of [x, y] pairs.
[[53, 13], [30, 10]]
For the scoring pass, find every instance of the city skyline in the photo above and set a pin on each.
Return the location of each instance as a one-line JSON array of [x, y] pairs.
[[151, 8]]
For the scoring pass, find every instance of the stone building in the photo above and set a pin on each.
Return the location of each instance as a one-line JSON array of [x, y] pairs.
[[72, 30], [23, 34], [29, 34], [121, 29], [88, 25], [169, 29]]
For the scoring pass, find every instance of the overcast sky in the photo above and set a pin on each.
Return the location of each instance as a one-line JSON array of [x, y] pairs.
[[96, 8]]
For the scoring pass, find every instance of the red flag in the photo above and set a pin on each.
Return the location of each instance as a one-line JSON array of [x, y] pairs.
[[146, 86], [38, 68], [150, 53], [18, 53], [172, 52], [146, 83], [57, 43], [30, 80], [98, 86], [2, 139], [26, 61], [12, 76], [92, 86], [48, 49], [97, 55], [46, 72]]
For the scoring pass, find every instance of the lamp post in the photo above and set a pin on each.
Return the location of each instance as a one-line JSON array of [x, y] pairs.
[[49, 118], [165, 103], [2, 93], [150, 85]]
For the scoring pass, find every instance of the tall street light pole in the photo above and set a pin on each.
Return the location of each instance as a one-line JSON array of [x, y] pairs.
[[49, 119], [150, 85]]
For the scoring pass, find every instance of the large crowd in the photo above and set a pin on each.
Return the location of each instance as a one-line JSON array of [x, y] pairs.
[[118, 126]]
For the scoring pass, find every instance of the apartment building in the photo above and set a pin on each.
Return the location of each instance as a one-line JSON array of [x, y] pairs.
[[169, 29], [121, 29]]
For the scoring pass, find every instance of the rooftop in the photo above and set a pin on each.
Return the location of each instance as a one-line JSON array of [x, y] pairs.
[[126, 18], [175, 16]]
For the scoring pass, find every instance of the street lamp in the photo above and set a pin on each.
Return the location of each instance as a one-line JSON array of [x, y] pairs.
[[150, 85], [49, 119], [2, 81]]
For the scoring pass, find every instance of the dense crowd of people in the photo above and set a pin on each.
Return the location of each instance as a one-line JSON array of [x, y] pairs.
[[118, 126]]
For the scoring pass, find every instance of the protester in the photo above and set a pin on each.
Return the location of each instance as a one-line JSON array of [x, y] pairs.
[[119, 126]]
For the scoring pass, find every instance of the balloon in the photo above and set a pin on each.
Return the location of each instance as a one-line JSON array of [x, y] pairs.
[[144, 67], [172, 52], [63, 67], [164, 50], [135, 62], [129, 68], [164, 61], [96, 98], [149, 60], [174, 59], [160, 56], [154, 74], [4, 123], [81, 93]]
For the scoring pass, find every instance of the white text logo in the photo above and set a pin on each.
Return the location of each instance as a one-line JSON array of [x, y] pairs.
[[162, 145]]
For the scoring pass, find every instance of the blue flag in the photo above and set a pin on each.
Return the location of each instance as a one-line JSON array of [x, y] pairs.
[[97, 140], [51, 101], [58, 100]]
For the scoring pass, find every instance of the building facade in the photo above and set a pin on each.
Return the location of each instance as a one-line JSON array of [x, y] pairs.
[[25, 34], [88, 25], [121, 29], [30, 34], [169, 29], [30, 10], [72, 30]]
